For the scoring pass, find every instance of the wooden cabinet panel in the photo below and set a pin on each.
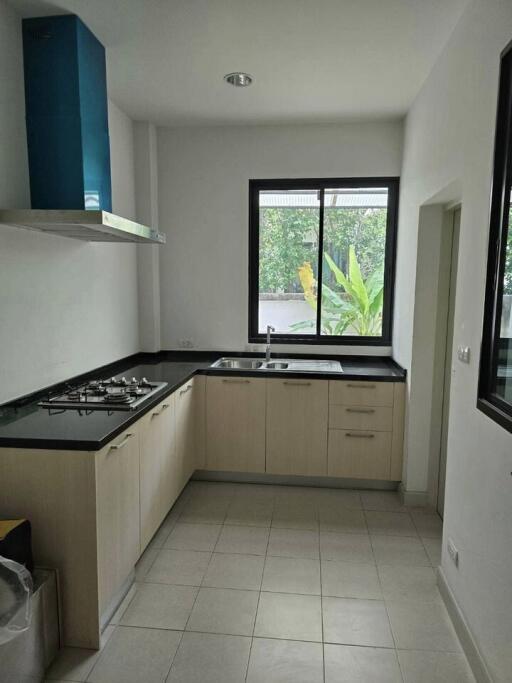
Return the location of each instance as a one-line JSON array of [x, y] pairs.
[[157, 465], [397, 444], [378, 418], [359, 455], [117, 513], [297, 413], [235, 424], [189, 430], [358, 393]]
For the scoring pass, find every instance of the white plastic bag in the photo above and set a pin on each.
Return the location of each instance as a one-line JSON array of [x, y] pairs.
[[15, 599]]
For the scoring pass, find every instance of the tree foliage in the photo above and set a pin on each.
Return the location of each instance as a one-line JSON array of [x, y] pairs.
[[289, 238]]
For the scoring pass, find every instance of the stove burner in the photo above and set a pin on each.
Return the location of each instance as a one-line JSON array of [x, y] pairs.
[[109, 394]]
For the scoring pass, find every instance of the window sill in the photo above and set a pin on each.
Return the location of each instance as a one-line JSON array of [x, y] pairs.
[[321, 341], [496, 414]]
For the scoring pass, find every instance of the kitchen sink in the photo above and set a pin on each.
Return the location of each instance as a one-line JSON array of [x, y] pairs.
[[238, 364], [286, 364]]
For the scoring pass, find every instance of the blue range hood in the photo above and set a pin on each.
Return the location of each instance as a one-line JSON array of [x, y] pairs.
[[67, 134], [67, 115]]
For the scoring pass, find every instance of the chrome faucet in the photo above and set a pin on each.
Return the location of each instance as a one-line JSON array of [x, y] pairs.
[[270, 329]]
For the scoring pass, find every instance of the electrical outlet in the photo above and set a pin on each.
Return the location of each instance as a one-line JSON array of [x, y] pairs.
[[464, 354], [185, 344], [453, 552]]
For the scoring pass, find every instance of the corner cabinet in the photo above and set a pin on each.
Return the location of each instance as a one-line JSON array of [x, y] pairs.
[[297, 426]]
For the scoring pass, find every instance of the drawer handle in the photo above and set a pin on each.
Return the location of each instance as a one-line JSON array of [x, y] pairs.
[[158, 412], [184, 391], [360, 410], [350, 435], [362, 386], [297, 384], [236, 381], [117, 447]]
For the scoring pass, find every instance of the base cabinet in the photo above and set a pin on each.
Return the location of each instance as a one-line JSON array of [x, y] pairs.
[[117, 513], [359, 454], [189, 431], [235, 424], [297, 413], [157, 467], [93, 513]]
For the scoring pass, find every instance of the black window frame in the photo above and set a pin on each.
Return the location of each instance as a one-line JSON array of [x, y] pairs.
[[321, 184], [488, 400]]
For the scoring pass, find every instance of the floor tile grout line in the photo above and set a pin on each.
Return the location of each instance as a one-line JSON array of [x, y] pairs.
[[259, 598], [322, 609]]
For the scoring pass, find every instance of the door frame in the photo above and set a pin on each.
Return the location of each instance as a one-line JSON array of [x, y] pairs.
[[445, 345]]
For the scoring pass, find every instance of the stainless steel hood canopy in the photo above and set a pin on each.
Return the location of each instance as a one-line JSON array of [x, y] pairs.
[[89, 226]]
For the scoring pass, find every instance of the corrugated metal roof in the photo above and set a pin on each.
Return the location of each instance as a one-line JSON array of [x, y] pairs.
[[377, 199]]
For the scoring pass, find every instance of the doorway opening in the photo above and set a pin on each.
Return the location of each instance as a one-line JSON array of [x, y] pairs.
[[445, 341]]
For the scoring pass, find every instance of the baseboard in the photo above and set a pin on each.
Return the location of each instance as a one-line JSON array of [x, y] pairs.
[[413, 498], [293, 480], [467, 641]]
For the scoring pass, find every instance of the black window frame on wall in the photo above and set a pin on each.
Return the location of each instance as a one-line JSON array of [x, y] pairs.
[[488, 400], [321, 184]]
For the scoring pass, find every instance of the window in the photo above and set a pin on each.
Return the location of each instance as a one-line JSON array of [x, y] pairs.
[[321, 261], [495, 385]]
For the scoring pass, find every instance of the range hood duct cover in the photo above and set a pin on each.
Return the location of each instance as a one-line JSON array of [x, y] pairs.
[[67, 136]]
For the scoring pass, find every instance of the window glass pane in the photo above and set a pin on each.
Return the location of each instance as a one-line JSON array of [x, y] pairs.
[[353, 261], [503, 380], [288, 260]]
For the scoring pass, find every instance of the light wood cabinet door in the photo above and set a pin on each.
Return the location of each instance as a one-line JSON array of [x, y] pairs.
[[117, 513], [297, 413], [187, 433], [359, 454], [235, 424], [157, 464]]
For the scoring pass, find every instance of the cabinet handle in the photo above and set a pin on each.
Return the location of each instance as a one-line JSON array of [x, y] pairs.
[[350, 435], [184, 391], [362, 386], [158, 412], [117, 447], [360, 410], [236, 381], [297, 384]]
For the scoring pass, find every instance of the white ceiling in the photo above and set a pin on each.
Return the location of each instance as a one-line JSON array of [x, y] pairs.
[[312, 60]]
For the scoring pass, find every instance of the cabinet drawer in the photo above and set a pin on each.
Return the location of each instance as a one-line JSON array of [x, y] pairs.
[[374, 418], [359, 455], [361, 393]]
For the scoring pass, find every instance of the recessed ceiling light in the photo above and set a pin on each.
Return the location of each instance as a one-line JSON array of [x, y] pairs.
[[239, 79]]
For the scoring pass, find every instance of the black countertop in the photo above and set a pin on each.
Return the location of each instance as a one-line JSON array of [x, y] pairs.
[[24, 424]]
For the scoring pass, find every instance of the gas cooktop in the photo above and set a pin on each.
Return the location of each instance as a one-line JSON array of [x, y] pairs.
[[108, 394]]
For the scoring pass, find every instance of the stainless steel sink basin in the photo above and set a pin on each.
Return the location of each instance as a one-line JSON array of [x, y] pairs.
[[287, 364], [238, 364]]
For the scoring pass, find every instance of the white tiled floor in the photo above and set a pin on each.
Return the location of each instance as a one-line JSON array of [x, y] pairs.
[[252, 583]]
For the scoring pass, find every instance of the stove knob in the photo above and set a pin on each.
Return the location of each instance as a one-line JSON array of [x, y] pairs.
[[144, 382], [123, 380], [135, 380]]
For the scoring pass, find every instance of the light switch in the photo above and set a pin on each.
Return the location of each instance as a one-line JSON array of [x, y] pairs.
[[463, 354]]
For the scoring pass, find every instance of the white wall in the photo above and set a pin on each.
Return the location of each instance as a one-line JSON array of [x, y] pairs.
[[203, 203], [65, 306], [122, 162], [449, 144]]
